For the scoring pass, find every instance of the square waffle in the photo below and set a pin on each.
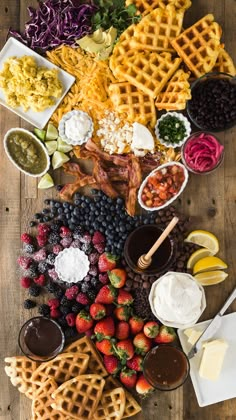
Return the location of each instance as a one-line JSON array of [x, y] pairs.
[[131, 405], [199, 45], [85, 345], [176, 93], [224, 63], [122, 49], [145, 6], [149, 71], [79, 397], [41, 406], [155, 31], [64, 367], [111, 406], [136, 104], [20, 370]]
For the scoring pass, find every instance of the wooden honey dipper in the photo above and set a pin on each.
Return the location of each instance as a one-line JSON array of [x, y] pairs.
[[145, 260]]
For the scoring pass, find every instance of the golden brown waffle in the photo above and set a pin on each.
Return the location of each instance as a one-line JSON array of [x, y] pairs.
[[145, 6], [111, 406], [199, 45], [79, 397], [224, 63], [64, 367], [122, 49], [41, 407], [149, 71], [85, 345], [131, 405], [155, 31], [20, 370], [136, 104], [176, 93]]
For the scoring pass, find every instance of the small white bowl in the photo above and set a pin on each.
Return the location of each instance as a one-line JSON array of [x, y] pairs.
[[61, 128], [183, 119], [12, 130], [172, 323], [171, 199]]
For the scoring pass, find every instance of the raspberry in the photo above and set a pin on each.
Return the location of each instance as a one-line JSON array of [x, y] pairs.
[[98, 238], [26, 238], [40, 255], [103, 278], [28, 304], [65, 231], [72, 292], [85, 238], [93, 257], [43, 229], [42, 240], [65, 242], [71, 319], [55, 313], [24, 262], [99, 247], [93, 270], [40, 280], [25, 282], [82, 298], [53, 274], [56, 249], [54, 303]]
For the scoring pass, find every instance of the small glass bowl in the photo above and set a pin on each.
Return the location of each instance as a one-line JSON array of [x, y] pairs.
[[181, 118], [206, 78], [188, 166]]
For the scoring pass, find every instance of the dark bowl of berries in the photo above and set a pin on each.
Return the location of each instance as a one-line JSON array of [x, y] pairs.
[[213, 103]]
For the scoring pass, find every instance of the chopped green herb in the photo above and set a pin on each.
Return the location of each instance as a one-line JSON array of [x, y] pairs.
[[172, 129]]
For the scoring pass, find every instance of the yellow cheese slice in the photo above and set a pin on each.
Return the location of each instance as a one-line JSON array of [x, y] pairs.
[[212, 359]]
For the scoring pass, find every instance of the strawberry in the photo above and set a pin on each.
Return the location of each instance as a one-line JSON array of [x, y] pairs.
[[97, 311], [136, 324], [122, 313], [124, 350], [106, 294], [151, 329], [128, 378], [105, 347], [124, 298], [166, 335], [117, 277], [143, 387], [122, 330], [136, 363], [106, 262], [109, 309], [104, 328], [111, 364], [142, 343], [83, 321]]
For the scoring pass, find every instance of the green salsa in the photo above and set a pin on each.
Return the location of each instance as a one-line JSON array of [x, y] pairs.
[[172, 129], [26, 152]]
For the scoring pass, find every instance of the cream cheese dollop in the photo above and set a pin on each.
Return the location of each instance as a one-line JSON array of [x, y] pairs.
[[142, 141]]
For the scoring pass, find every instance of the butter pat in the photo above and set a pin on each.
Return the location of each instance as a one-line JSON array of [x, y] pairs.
[[212, 359], [193, 335]]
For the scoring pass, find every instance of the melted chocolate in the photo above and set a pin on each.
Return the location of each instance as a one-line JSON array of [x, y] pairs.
[[43, 337]]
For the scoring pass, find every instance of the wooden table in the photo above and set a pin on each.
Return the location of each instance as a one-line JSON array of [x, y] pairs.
[[210, 200]]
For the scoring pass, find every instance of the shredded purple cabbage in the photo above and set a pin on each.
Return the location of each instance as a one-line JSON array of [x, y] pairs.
[[56, 22]]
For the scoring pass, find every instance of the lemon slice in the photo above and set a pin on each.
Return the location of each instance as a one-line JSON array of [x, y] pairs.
[[209, 278], [58, 159], [46, 182], [62, 146], [196, 256], [209, 263], [51, 146], [51, 133], [205, 239]]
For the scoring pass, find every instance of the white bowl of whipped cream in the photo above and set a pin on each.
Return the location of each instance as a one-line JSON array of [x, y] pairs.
[[177, 299]]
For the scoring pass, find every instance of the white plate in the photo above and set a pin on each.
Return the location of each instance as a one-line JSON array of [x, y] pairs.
[[17, 49], [211, 392]]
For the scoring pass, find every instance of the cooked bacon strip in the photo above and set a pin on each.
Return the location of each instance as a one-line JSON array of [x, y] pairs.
[[150, 162], [135, 179], [116, 159], [116, 173], [103, 181], [81, 180]]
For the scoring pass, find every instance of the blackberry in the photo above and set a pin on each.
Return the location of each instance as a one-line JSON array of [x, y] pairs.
[[42, 267], [51, 259], [77, 307], [34, 290], [65, 301], [58, 293], [77, 232], [70, 332], [44, 310], [33, 270], [62, 321], [51, 287], [92, 293], [29, 248], [64, 309], [95, 282], [87, 248], [54, 238], [28, 304], [55, 226], [85, 287]]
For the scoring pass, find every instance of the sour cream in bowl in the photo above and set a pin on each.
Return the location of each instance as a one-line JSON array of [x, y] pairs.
[[76, 127]]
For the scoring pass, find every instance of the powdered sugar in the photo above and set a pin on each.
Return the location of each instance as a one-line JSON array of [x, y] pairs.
[[71, 265]]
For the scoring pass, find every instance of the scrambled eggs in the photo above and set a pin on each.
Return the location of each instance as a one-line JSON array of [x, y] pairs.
[[28, 85]]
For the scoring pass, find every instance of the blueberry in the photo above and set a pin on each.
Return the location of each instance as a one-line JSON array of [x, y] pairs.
[[37, 216], [47, 202]]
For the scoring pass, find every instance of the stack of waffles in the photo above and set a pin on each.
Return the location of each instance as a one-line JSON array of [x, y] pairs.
[[74, 385]]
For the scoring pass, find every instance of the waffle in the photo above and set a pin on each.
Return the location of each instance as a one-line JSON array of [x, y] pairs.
[[155, 31], [224, 63], [122, 49], [64, 367], [199, 45], [145, 7], [79, 397], [41, 407], [20, 370], [176, 94], [111, 406], [85, 345], [131, 405], [149, 72], [137, 105]]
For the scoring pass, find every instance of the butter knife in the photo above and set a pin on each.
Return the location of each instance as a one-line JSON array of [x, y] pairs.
[[212, 327]]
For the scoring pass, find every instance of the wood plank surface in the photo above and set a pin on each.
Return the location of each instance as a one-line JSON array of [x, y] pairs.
[[209, 200]]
